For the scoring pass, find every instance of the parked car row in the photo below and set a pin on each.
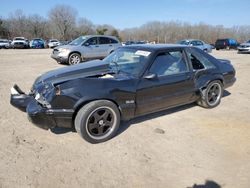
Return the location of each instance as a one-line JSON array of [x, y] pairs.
[[131, 42], [227, 43], [230, 43], [23, 43]]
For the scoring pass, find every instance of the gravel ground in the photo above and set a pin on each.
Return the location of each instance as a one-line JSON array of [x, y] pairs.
[[175, 148]]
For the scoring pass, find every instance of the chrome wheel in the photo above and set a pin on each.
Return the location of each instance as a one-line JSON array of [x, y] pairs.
[[74, 59]]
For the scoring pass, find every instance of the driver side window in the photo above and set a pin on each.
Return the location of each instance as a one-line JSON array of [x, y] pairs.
[[92, 41], [169, 63]]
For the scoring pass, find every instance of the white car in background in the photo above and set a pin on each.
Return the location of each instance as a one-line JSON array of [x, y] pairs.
[[20, 42], [4, 43], [53, 43], [244, 47]]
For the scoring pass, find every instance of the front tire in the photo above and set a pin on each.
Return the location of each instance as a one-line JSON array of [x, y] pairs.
[[74, 59], [97, 121], [211, 96]]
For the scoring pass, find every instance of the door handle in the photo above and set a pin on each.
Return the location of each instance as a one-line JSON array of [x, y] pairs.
[[96, 46], [110, 45]]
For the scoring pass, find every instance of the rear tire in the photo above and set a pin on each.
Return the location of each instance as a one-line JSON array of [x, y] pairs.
[[97, 121], [211, 96]]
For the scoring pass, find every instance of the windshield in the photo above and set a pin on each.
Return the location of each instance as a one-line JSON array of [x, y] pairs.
[[129, 61], [18, 38], [78, 41]]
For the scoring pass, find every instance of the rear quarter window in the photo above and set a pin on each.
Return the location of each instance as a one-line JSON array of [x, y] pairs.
[[104, 40], [113, 41], [200, 58]]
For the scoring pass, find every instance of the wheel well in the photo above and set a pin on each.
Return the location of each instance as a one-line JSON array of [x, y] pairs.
[[86, 102], [76, 52], [219, 79]]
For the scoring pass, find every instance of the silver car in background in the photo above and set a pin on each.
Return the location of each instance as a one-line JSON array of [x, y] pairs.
[[4, 43], [244, 47], [197, 43], [85, 48], [53, 43]]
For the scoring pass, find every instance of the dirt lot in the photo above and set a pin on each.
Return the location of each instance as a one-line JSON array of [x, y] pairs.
[[197, 144]]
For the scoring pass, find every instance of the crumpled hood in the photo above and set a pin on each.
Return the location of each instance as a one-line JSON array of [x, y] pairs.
[[82, 70]]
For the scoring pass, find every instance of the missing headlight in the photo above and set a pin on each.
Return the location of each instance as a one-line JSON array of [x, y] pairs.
[[58, 90], [41, 100]]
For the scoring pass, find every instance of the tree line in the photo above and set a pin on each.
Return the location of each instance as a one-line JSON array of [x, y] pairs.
[[63, 23]]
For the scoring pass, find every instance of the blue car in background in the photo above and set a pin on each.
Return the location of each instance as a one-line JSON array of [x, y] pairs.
[[228, 44], [37, 43]]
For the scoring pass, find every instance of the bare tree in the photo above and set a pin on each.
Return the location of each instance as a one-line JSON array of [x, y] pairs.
[[4, 33], [63, 21], [115, 33], [37, 26], [18, 24], [85, 27]]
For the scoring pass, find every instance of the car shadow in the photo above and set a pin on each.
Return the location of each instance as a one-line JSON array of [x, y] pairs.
[[226, 93], [208, 184], [62, 130], [126, 124]]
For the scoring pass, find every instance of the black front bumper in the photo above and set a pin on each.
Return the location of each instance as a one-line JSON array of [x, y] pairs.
[[40, 116]]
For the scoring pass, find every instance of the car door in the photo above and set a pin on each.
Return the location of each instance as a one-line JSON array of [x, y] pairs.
[[167, 83], [90, 48], [104, 46]]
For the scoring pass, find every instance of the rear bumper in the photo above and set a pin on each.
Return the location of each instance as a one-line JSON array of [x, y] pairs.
[[40, 116], [229, 83], [244, 50]]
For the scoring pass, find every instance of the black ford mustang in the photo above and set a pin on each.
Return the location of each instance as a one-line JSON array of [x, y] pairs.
[[95, 96]]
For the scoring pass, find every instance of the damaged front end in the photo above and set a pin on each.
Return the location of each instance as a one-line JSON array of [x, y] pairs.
[[19, 99], [36, 106]]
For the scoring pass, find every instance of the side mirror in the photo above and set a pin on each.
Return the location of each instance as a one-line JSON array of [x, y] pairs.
[[150, 76]]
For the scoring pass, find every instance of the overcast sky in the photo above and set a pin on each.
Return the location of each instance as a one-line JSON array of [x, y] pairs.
[[134, 13]]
